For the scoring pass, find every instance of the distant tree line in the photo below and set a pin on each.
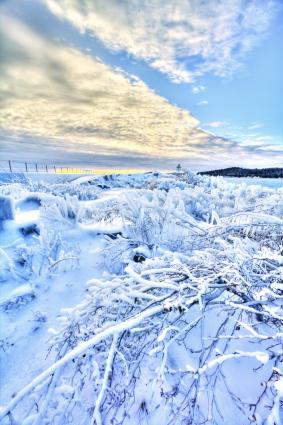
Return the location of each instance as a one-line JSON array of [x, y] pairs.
[[276, 173]]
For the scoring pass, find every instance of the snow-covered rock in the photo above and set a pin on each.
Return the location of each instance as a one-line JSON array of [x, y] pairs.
[[6, 209]]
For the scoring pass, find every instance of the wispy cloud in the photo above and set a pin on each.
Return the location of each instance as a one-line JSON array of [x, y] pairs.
[[250, 136], [255, 126], [183, 38]]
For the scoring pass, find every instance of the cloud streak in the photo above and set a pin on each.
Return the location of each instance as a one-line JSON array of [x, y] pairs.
[[216, 124], [182, 38]]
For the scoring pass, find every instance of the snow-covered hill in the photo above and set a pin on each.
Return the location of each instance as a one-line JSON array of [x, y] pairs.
[[141, 299]]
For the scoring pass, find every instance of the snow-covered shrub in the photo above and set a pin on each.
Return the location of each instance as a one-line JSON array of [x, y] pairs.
[[151, 221], [151, 319], [46, 255], [192, 334], [63, 212], [106, 211], [15, 190]]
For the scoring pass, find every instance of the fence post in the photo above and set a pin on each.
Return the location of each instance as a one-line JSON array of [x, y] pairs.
[[26, 165], [10, 166], [36, 168], [46, 168], [55, 169]]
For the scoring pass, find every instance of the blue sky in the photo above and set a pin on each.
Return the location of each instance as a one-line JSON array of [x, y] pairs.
[[221, 62]]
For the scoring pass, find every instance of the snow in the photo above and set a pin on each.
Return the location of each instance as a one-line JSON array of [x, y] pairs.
[[18, 292], [141, 299]]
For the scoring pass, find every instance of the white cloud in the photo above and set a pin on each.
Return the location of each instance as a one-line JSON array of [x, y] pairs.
[[167, 34], [61, 93], [202, 103], [198, 89]]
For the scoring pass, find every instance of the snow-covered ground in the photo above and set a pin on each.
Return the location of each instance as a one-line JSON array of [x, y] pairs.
[[141, 299]]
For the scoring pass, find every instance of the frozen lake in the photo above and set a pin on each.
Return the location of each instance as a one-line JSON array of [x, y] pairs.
[[272, 183]]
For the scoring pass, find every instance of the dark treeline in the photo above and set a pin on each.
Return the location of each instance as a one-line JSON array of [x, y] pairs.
[[246, 172]]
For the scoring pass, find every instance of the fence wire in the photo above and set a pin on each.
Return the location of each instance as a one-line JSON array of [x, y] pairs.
[[9, 166]]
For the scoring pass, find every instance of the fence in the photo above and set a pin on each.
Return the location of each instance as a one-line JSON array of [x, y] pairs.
[[9, 166]]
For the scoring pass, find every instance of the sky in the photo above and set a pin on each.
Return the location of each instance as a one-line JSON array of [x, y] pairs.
[[139, 83]]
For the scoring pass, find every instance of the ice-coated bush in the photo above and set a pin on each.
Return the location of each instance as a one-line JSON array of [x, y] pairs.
[[63, 212], [184, 327]]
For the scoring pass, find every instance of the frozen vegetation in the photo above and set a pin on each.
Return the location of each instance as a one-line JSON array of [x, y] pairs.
[[149, 299]]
